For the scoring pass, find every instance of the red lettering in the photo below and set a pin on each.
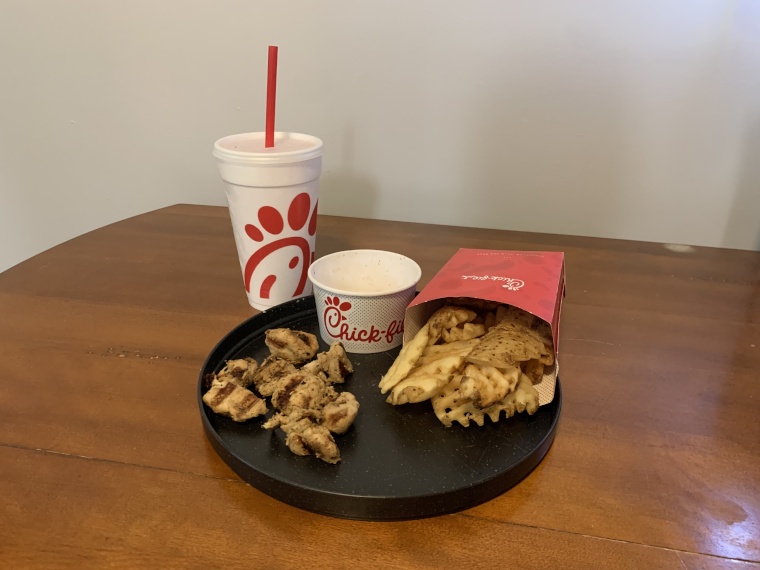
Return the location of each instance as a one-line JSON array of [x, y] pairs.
[[353, 334], [396, 327]]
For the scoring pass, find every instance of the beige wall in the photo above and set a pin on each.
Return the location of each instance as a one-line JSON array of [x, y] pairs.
[[635, 119]]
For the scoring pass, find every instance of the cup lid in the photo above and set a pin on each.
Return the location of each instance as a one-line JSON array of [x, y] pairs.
[[249, 148]]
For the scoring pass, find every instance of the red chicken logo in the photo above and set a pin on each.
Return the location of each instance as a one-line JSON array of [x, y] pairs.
[[272, 222]]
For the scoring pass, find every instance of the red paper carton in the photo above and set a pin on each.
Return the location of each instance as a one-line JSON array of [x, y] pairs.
[[531, 280]]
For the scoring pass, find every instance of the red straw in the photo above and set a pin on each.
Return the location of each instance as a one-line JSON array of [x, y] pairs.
[[271, 95]]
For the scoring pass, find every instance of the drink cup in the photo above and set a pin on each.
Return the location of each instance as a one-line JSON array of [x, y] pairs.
[[272, 194]]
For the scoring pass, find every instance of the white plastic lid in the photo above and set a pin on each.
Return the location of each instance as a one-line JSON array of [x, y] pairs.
[[249, 148]]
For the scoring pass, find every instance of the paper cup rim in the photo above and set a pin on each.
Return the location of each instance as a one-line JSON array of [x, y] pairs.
[[244, 157], [382, 293]]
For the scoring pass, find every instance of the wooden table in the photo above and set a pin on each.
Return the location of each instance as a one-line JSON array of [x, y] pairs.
[[103, 461]]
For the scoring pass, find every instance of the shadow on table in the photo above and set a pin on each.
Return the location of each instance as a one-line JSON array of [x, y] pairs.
[[743, 224]]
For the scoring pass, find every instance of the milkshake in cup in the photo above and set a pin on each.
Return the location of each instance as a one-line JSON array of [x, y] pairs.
[[272, 195]]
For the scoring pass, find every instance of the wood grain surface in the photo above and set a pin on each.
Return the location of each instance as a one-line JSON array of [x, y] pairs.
[[103, 461]]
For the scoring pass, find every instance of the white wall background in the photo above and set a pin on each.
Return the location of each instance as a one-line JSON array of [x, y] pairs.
[[636, 119]]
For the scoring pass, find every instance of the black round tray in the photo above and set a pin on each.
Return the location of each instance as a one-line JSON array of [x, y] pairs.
[[397, 462]]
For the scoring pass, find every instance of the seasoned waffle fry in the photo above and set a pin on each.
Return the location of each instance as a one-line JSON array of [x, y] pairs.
[[423, 382], [547, 359], [466, 331], [502, 347], [489, 320], [528, 325], [417, 389], [448, 317], [438, 350], [450, 406], [426, 359], [534, 369], [485, 385], [406, 359], [443, 365], [473, 360]]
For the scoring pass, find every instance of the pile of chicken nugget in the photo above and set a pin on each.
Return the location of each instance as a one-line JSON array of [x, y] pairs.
[[300, 385], [473, 359]]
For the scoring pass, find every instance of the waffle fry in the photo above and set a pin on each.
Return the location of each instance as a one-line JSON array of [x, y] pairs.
[[406, 360], [459, 347], [484, 386], [417, 389], [451, 406], [446, 318], [473, 359], [466, 332], [535, 370]]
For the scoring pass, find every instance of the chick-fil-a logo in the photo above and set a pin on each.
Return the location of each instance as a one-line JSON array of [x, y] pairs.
[[508, 282], [336, 325], [281, 233]]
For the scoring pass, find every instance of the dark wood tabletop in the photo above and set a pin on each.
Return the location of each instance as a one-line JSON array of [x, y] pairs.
[[104, 462]]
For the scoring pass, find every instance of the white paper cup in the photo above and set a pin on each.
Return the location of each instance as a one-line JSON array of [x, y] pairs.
[[272, 194], [361, 297]]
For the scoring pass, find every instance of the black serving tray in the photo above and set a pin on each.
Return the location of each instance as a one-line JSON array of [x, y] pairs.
[[398, 462]]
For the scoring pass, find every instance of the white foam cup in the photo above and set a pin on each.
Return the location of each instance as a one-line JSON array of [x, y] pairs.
[[272, 194], [361, 297]]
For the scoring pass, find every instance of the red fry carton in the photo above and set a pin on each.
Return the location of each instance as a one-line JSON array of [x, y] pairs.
[[531, 280]]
